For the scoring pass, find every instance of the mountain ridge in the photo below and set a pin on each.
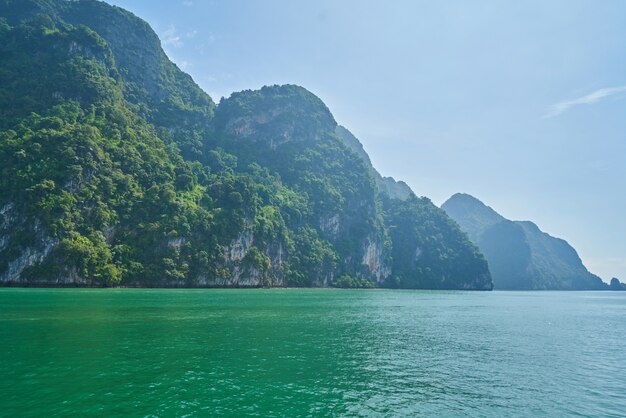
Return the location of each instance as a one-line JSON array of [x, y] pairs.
[[520, 255]]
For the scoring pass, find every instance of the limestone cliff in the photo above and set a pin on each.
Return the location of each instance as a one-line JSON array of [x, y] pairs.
[[291, 132]]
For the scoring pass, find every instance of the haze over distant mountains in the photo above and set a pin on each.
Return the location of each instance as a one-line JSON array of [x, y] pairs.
[[519, 254]]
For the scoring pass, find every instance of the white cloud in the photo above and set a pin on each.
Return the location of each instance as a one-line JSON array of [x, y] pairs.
[[594, 97], [172, 38], [188, 3]]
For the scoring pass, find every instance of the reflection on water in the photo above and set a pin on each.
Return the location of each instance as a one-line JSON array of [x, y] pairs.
[[311, 352]]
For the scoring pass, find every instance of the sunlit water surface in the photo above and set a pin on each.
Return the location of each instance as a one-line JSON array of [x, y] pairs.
[[316, 352]]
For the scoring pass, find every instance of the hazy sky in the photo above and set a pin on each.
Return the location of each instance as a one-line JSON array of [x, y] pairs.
[[521, 104]]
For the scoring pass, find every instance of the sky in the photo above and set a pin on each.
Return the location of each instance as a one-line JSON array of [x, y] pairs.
[[521, 104]]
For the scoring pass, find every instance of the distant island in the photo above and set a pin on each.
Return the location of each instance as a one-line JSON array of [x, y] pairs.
[[520, 255], [118, 170]]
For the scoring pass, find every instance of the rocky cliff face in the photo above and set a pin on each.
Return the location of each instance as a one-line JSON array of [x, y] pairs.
[[291, 132], [38, 246], [375, 258], [275, 115], [520, 255], [243, 272]]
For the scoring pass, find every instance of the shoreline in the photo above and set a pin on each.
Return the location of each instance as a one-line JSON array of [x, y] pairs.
[[165, 287], [78, 286]]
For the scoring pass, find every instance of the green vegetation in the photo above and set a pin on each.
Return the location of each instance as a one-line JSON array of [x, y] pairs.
[[83, 166], [117, 169], [429, 251], [348, 282]]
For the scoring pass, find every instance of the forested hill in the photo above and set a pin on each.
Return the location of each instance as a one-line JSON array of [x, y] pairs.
[[117, 169], [520, 255]]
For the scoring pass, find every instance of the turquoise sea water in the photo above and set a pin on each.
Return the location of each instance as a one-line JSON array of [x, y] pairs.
[[311, 352]]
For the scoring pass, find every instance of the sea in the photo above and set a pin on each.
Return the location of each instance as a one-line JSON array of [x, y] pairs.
[[311, 352]]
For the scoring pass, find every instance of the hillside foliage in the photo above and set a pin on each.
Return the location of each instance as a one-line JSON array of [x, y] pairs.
[[117, 169]]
